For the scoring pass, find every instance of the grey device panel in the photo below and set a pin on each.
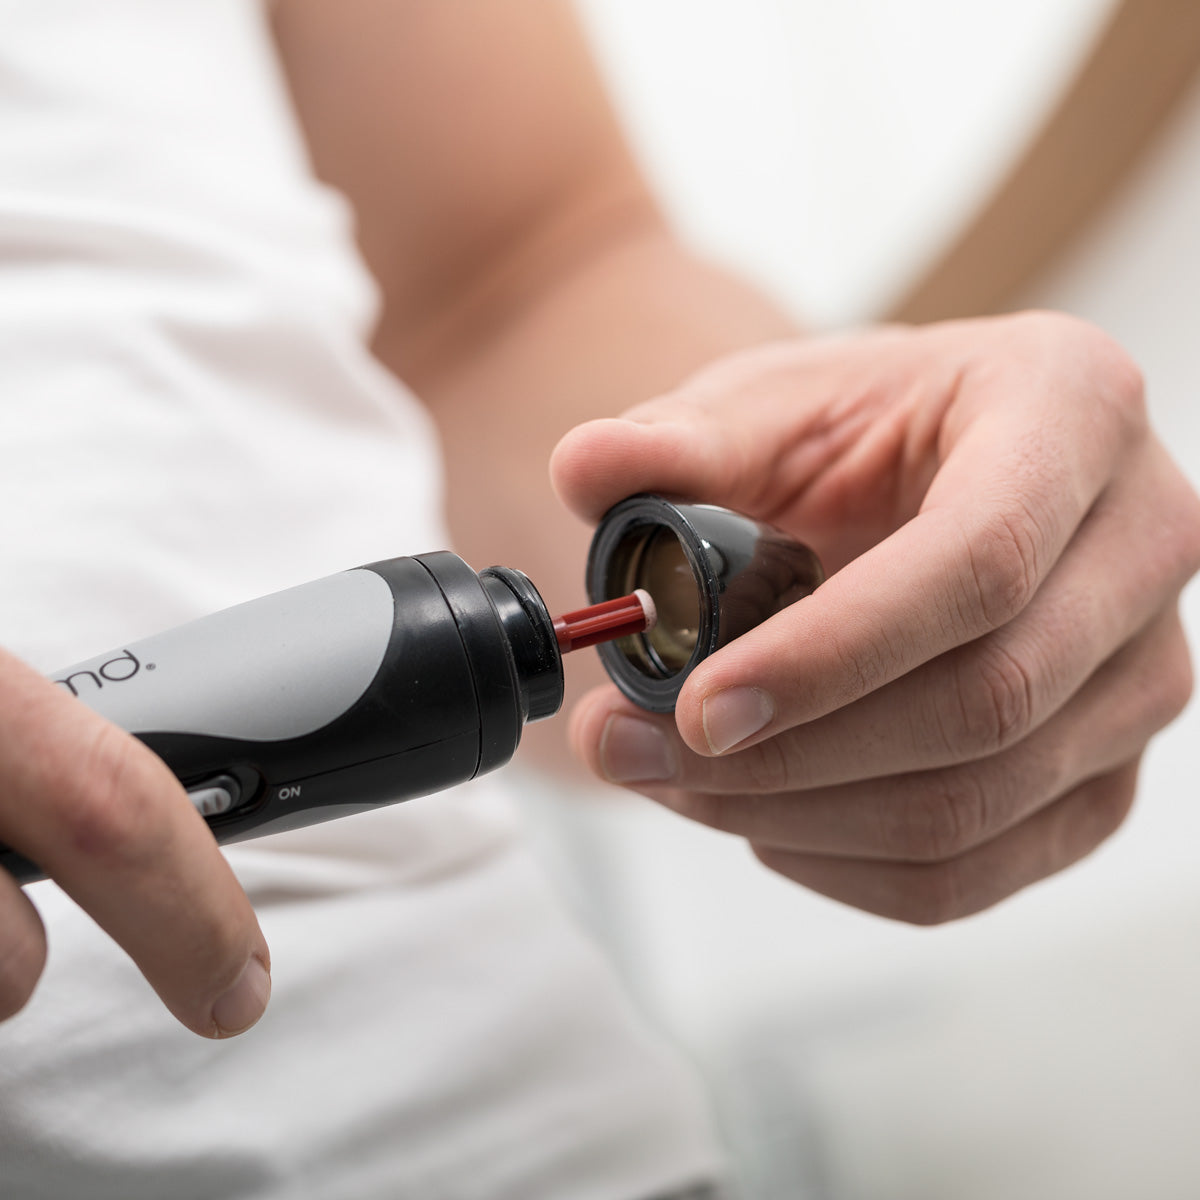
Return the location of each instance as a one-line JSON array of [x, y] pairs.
[[299, 659]]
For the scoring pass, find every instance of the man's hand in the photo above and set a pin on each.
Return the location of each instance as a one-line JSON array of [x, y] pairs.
[[106, 819], [960, 709]]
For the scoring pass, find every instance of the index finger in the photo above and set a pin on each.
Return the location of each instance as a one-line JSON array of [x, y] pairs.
[[969, 562], [108, 821]]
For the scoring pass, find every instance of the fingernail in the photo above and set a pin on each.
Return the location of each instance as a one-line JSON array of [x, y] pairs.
[[732, 716], [245, 1002], [635, 751]]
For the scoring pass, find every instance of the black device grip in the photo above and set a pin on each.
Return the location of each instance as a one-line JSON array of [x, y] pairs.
[[440, 691]]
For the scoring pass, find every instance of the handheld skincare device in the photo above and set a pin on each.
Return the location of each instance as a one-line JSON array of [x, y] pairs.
[[407, 676]]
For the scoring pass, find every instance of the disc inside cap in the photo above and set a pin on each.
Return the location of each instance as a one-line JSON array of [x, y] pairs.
[[653, 559], [713, 575]]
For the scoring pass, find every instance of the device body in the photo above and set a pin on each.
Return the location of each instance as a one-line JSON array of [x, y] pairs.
[[379, 684]]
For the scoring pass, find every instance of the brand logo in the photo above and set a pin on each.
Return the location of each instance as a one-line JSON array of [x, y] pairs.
[[116, 670]]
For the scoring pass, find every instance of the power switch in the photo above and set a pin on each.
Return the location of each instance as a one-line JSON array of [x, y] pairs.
[[215, 796]]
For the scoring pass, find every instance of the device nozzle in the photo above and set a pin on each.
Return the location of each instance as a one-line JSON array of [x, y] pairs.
[[606, 621]]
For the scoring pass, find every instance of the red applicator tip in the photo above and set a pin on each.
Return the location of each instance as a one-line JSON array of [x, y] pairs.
[[605, 621]]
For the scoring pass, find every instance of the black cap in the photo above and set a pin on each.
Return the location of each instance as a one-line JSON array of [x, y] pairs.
[[713, 575]]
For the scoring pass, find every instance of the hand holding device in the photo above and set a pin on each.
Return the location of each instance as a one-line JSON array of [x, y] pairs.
[[960, 709], [368, 687]]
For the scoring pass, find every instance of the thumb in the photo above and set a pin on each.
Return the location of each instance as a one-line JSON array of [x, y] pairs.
[[601, 462]]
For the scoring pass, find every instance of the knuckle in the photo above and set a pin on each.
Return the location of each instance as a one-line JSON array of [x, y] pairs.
[[105, 808], [1173, 681], [934, 896], [865, 665], [1123, 387], [1112, 803], [1178, 686], [941, 820], [774, 859], [1003, 560], [1115, 378], [1188, 549], [1172, 556], [1162, 678], [993, 702]]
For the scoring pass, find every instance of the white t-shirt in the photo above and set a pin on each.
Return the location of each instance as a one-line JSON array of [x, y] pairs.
[[189, 418]]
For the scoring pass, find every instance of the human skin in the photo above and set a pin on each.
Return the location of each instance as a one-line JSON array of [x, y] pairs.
[[960, 709], [988, 493], [107, 820]]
